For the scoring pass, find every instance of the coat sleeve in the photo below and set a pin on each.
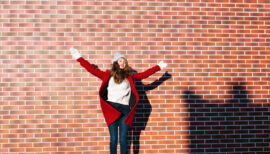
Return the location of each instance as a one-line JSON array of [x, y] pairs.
[[147, 73], [90, 68]]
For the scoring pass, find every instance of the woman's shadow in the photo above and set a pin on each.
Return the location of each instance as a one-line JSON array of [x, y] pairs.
[[233, 127], [143, 111]]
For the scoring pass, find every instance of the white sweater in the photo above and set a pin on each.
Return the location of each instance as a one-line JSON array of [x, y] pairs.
[[119, 93]]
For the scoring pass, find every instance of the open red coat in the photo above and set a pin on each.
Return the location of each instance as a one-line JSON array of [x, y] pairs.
[[109, 112]]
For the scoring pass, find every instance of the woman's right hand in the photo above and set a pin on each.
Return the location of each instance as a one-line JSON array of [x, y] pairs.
[[75, 53]]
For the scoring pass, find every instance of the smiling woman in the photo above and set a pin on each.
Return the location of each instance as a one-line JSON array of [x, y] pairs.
[[118, 95]]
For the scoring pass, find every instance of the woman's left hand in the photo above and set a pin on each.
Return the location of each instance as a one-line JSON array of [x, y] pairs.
[[162, 65]]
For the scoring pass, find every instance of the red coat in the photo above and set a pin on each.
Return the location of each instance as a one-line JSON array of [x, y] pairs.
[[109, 112]]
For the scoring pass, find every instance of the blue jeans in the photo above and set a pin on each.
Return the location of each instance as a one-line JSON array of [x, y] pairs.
[[123, 129]]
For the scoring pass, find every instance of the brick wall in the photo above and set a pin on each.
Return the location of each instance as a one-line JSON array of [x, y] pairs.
[[212, 98]]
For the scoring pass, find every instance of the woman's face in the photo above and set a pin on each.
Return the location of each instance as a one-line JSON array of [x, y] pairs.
[[121, 63]]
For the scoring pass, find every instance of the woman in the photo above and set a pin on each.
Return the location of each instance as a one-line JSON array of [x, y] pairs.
[[118, 95]]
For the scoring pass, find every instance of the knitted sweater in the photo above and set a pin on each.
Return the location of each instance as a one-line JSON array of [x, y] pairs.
[[119, 93]]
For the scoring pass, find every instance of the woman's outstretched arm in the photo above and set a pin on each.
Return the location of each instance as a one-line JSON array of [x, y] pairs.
[[150, 71], [84, 63]]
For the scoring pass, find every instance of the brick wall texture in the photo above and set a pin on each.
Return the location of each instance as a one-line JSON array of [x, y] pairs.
[[213, 97]]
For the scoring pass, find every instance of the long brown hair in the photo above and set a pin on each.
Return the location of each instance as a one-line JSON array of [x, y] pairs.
[[119, 74]]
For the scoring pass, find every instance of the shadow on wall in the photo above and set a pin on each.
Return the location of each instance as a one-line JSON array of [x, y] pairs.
[[234, 127], [143, 111]]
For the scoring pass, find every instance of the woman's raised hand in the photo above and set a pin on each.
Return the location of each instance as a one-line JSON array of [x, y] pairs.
[[75, 53], [162, 65]]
